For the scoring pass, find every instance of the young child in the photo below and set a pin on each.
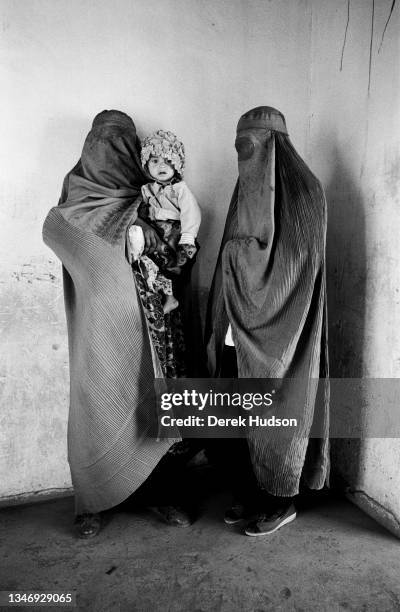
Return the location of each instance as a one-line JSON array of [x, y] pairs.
[[169, 205]]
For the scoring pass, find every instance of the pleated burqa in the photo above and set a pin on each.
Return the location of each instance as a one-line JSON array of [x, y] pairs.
[[112, 417], [269, 284]]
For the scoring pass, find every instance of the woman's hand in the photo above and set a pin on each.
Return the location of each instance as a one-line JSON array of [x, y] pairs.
[[152, 241]]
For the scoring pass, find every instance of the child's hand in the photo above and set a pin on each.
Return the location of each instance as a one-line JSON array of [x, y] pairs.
[[185, 252]]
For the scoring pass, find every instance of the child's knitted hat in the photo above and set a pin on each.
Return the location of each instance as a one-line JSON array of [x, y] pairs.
[[164, 144]]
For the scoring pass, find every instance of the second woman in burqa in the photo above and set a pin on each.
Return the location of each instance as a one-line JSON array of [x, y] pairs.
[[267, 319]]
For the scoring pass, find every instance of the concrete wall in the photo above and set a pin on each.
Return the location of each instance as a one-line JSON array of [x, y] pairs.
[[193, 66], [354, 149]]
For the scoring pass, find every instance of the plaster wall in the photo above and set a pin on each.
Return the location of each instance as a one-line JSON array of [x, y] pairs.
[[194, 66], [354, 149], [191, 66]]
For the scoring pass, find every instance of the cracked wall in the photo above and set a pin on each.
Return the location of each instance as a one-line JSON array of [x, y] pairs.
[[330, 66], [189, 66], [354, 150]]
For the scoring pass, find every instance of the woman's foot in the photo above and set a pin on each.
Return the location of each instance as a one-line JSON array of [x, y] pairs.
[[173, 515], [237, 513], [170, 304], [270, 521], [88, 525]]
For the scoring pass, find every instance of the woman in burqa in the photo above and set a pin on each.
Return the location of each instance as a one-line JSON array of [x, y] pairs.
[[267, 319], [119, 338]]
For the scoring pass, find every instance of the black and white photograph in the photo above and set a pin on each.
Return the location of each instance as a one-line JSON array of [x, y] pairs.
[[200, 305]]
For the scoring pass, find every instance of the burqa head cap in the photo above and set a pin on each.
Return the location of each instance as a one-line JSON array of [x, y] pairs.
[[111, 152], [114, 117], [264, 117]]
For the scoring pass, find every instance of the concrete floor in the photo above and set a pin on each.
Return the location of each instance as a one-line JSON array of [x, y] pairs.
[[333, 557]]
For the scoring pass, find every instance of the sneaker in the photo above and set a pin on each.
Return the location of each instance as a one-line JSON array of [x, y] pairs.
[[234, 514], [237, 513], [268, 523]]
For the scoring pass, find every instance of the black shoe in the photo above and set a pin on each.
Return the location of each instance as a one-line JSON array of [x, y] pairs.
[[267, 523], [173, 515], [237, 513], [88, 525]]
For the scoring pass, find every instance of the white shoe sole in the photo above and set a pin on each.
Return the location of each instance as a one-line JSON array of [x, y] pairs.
[[247, 518], [287, 520], [227, 522]]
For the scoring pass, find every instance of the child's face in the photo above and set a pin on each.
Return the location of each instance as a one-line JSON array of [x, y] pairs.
[[160, 169]]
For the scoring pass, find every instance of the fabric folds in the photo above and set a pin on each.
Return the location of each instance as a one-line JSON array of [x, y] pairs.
[[269, 284], [112, 445]]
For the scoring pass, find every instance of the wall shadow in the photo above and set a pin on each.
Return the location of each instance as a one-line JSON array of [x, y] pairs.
[[346, 288]]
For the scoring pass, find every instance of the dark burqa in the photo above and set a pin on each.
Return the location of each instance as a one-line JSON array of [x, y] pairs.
[[269, 283], [112, 360]]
